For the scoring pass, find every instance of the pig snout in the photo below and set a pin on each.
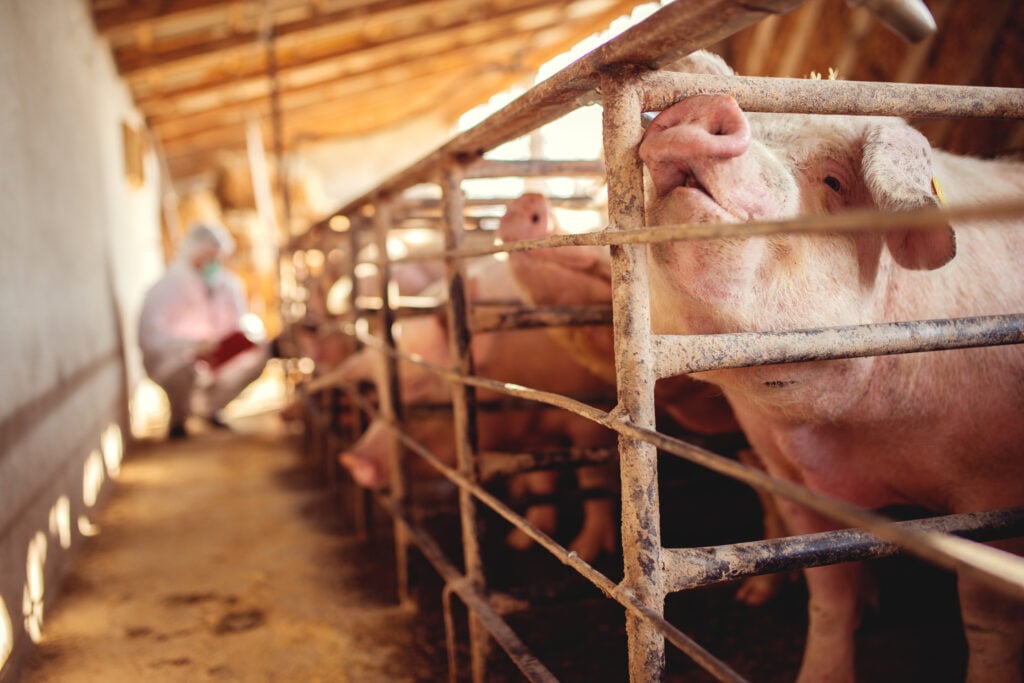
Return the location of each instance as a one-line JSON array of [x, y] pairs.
[[688, 135], [366, 459], [525, 218]]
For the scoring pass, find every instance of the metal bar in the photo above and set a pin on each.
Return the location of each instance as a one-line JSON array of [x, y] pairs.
[[861, 220], [504, 464], [687, 568], [641, 527], [449, 633], [494, 317], [463, 397], [684, 354], [390, 401], [495, 168], [809, 96], [474, 598]]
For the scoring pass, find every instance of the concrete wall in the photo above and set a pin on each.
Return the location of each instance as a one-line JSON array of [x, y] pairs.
[[78, 244]]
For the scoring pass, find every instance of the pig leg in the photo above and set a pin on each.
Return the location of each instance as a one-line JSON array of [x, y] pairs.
[[544, 516], [994, 625], [833, 610], [757, 590], [599, 533]]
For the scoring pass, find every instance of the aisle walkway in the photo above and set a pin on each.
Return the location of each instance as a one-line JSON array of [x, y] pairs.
[[218, 560]]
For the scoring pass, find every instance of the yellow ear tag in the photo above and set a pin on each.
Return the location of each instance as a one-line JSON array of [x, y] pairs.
[[937, 187]]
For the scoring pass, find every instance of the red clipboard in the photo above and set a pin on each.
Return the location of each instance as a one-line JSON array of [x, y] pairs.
[[228, 347]]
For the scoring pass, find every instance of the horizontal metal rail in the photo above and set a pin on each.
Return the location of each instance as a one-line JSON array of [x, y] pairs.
[[493, 464], [532, 168], [687, 568], [496, 317], [1000, 570], [808, 96], [863, 220], [685, 354]]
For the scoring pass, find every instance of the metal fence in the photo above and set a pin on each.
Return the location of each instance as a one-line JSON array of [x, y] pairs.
[[622, 76]]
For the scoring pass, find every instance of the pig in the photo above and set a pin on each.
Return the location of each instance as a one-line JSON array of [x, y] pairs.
[[527, 357], [580, 275], [873, 431]]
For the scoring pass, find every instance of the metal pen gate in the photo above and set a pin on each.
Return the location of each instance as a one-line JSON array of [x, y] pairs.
[[622, 76]]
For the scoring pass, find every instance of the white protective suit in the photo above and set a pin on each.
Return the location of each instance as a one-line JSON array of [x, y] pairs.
[[183, 311]]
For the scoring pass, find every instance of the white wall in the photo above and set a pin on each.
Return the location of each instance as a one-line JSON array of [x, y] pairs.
[[78, 244]]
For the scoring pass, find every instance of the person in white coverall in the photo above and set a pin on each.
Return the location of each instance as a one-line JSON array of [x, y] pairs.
[[195, 304]]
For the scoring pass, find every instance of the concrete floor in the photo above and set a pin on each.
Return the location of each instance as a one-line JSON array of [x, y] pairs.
[[218, 560]]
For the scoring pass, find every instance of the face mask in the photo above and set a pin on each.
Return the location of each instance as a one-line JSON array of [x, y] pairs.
[[210, 270]]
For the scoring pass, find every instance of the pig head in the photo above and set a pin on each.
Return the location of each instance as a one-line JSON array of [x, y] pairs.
[[873, 431]]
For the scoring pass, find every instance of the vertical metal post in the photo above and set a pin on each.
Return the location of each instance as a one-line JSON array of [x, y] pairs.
[[641, 528], [463, 402], [361, 502], [390, 399]]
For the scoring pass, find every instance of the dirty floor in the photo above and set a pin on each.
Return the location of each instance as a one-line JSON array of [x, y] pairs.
[[218, 560]]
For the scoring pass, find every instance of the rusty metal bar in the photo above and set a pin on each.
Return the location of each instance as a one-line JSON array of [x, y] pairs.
[[860, 220], [495, 168], [495, 317], [684, 354], [474, 598], [809, 96], [641, 515], [463, 397], [504, 464], [687, 568], [390, 401]]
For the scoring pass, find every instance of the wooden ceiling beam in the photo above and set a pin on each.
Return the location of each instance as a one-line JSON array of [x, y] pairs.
[[460, 39], [133, 61], [421, 76], [129, 16], [548, 41], [381, 103], [202, 152]]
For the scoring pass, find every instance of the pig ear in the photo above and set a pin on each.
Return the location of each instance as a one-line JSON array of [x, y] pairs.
[[701, 62], [897, 169]]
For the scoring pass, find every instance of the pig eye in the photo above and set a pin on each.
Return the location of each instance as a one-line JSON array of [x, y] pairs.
[[834, 183], [535, 217]]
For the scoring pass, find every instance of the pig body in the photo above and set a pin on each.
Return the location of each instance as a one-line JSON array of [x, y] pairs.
[[940, 430], [526, 357]]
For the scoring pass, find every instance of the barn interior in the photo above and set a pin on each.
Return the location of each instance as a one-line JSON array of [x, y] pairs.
[[302, 126]]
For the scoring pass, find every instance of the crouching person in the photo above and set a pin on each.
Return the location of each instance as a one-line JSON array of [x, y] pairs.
[[196, 333]]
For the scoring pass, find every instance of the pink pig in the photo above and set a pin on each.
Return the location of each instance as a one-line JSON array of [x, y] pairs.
[[941, 430], [526, 357], [581, 275]]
